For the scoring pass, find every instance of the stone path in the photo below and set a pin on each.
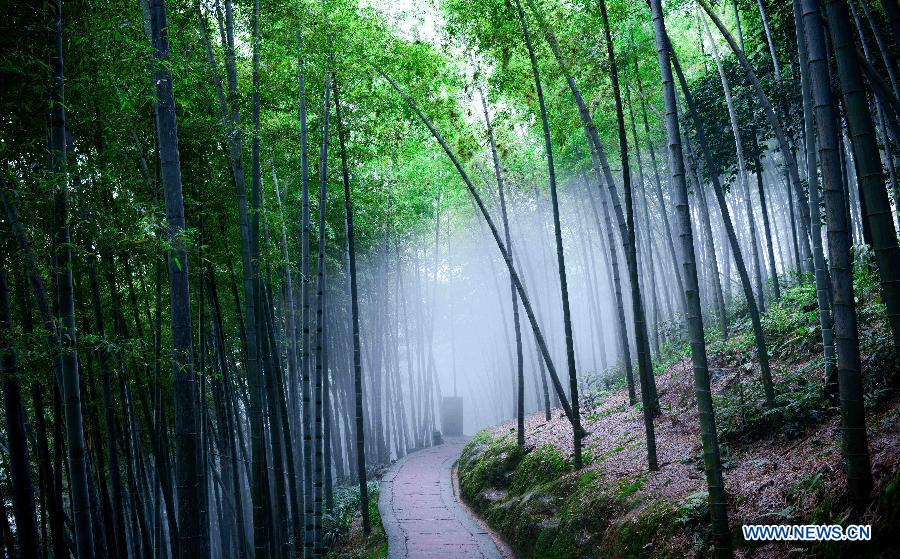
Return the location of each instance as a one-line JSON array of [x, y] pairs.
[[422, 514]]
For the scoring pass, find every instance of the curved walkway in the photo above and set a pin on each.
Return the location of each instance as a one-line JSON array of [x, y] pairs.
[[422, 514]]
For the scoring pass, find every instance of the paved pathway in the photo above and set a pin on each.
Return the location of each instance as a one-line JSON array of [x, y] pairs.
[[422, 514]]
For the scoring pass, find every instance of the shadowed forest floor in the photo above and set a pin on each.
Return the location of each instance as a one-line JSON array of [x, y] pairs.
[[343, 526], [780, 467]]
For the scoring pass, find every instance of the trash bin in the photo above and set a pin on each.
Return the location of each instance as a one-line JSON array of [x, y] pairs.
[[452, 416]]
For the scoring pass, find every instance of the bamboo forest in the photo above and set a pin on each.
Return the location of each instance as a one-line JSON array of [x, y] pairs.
[[415, 279]]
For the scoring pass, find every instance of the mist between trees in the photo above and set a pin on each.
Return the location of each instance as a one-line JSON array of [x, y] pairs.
[[249, 248]]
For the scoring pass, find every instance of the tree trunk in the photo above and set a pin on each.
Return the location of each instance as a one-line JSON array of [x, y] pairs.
[[520, 365], [613, 260], [327, 417], [846, 334], [296, 498], [764, 207], [592, 284], [706, 233], [70, 381], [670, 244], [118, 518], [23, 490], [259, 520], [873, 190], [186, 416], [886, 133], [642, 345], [354, 310], [646, 223], [711, 460], [560, 253], [304, 342], [226, 421], [768, 37], [823, 294], [600, 162], [320, 322], [279, 433], [762, 353]]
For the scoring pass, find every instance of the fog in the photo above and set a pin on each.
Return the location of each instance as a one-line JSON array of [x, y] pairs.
[[440, 303]]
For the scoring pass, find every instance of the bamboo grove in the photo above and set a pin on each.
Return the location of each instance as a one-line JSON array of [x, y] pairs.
[[248, 246]]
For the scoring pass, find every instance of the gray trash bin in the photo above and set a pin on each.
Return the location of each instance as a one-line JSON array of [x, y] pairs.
[[452, 416]]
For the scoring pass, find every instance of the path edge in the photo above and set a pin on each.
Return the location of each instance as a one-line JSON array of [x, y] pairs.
[[396, 539], [505, 550]]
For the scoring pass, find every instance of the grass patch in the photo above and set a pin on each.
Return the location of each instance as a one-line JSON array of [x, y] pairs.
[[343, 526]]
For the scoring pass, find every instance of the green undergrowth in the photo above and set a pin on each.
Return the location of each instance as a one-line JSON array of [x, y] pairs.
[[343, 526], [546, 509], [793, 337], [831, 509]]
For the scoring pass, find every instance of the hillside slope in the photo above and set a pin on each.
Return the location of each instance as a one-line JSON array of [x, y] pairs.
[[781, 467]]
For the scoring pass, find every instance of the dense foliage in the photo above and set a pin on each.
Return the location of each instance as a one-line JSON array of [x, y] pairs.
[[249, 247]]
